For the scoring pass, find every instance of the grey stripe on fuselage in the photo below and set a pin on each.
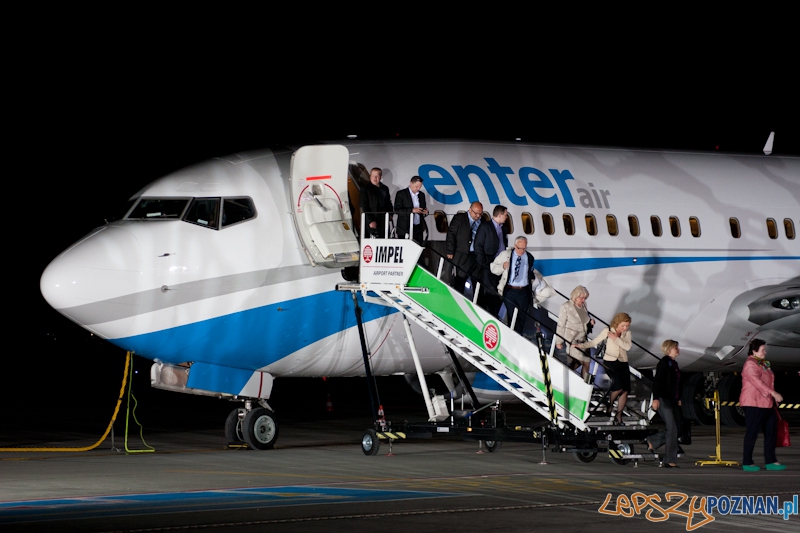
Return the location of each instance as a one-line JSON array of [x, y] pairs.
[[183, 293]]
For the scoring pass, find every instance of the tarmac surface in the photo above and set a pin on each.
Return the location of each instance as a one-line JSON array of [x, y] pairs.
[[318, 479]]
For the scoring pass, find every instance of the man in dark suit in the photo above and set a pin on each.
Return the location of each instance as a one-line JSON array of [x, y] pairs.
[[460, 235], [490, 240], [377, 201], [411, 200]]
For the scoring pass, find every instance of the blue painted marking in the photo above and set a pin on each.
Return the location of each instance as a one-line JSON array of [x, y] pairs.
[[484, 382], [261, 336], [551, 267], [256, 337], [207, 500]]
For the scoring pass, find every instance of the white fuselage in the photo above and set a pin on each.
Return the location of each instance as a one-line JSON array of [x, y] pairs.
[[245, 296]]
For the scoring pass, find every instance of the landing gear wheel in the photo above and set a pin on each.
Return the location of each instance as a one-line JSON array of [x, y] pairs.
[[260, 429], [492, 445], [370, 443], [730, 387], [692, 401], [585, 457], [233, 427], [625, 448]]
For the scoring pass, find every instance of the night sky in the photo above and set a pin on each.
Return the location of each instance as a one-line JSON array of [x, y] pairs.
[[90, 127]]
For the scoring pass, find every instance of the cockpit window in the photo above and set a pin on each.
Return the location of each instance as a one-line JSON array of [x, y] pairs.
[[236, 210], [204, 212], [158, 208]]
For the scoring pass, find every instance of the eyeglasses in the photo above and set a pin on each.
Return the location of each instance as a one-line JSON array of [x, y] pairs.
[[477, 214]]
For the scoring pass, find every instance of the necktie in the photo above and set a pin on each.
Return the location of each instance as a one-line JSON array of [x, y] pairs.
[[516, 267]]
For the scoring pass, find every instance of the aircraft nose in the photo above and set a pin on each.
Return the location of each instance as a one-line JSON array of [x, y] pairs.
[[96, 280]]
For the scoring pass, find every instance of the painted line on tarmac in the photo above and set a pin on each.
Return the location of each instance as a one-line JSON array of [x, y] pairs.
[[207, 500]]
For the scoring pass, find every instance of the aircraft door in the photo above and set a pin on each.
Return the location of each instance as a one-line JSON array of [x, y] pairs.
[[320, 206]]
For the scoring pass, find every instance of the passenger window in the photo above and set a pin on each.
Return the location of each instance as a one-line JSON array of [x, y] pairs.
[[235, 210], [772, 228], [591, 225], [655, 224], [547, 221], [569, 224], [675, 226], [694, 225], [611, 222], [633, 224], [441, 221], [736, 231], [509, 225], [788, 228], [204, 212], [527, 223]]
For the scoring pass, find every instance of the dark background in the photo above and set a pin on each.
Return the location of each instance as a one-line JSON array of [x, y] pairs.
[[100, 109]]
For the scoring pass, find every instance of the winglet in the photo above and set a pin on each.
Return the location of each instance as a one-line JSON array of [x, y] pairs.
[[768, 146]]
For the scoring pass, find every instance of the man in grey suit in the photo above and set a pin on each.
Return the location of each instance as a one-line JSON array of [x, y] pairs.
[[459, 247]]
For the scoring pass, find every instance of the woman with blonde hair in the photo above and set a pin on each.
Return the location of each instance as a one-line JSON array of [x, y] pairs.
[[618, 342], [574, 325]]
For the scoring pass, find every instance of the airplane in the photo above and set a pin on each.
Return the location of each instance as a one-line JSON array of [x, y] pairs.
[[224, 273]]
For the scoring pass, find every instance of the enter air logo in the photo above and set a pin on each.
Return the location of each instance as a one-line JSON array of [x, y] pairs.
[[547, 189]]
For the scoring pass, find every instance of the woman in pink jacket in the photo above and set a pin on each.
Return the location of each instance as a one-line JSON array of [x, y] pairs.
[[758, 394]]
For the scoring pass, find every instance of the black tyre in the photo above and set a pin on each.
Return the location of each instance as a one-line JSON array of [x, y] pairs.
[[370, 443], [492, 445], [692, 401], [233, 427], [730, 386], [585, 457], [624, 448], [260, 429]]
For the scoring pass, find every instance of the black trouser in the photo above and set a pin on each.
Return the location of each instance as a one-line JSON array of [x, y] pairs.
[[417, 234], [488, 298], [759, 419], [517, 298], [464, 269], [670, 413]]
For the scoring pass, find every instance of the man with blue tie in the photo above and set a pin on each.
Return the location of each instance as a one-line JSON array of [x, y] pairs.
[[490, 239], [459, 243], [517, 278]]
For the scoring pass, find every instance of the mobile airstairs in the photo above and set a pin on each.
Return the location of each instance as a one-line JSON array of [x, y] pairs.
[[389, 274]]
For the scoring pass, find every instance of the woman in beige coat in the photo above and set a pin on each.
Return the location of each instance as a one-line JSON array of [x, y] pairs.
[[618, 342], [574, 325]]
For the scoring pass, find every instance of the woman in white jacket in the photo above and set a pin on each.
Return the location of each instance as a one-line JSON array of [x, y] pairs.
[[573, 327], [618, 342]]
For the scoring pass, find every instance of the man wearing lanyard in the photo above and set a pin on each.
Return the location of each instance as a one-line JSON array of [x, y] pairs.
[[490, 240], [515, 268], [460, 243]]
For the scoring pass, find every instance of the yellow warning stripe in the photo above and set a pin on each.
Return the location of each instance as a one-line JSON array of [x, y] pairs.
[[781, 406], [391, 436], [616, 454]]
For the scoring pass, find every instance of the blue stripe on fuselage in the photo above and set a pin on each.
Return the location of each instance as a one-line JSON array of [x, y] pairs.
[[552, 267], [257, 337]]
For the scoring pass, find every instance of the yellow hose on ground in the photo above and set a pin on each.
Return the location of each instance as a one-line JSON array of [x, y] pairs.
[[108, 429]]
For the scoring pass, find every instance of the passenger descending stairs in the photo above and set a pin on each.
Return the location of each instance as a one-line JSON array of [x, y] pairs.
[[492, 347]]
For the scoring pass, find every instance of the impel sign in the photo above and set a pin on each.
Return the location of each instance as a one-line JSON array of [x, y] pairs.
[[388, 260]]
